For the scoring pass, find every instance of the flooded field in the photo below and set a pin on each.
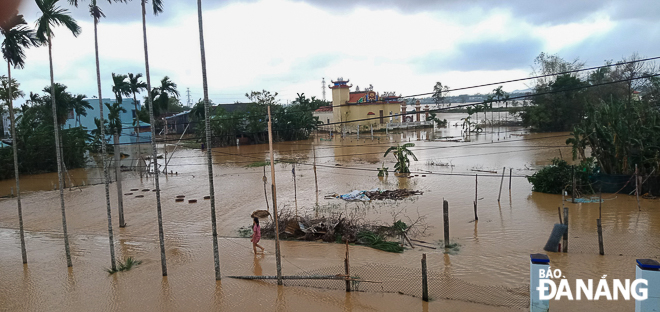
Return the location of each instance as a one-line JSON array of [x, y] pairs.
[[494, 251]]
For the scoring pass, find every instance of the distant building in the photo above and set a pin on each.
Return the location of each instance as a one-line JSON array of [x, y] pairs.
[[130, 132], [366, 108]]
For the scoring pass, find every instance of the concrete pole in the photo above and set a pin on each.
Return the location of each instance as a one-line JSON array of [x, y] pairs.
[[273, 191], [649, 270], [539, 263]]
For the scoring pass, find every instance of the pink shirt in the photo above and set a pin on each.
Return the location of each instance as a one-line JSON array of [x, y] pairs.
[[256, 229]]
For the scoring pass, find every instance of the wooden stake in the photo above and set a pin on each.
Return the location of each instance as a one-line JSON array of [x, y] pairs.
[[425, 287], [600, 201], [274, 192], [501, 182], [347, 269], [316, 181], [476, 187], [265, 193], [566, 233], [573, 192], [600, 237], [445, 217], [561, 220], [510, 172], [639, 207]]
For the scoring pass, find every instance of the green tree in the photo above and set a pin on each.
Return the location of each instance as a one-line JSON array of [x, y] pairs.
[[401, 154], [440, 93], [52, 15]]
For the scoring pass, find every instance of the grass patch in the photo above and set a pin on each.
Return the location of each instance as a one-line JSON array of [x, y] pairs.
[[259, 164], [126, 266], [244, 232], [452, 249], [376, 241]]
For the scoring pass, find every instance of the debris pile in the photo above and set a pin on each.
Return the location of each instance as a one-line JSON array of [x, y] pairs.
[[375, 194]]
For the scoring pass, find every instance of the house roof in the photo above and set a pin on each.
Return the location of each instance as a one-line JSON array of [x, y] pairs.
[[355, 96], [324, 109]]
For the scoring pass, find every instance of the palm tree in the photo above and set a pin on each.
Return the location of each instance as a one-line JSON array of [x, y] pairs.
[[80, 107], [166, 90], [401, 153], [52, 15], [120, 88], [216, 256], [157, 8], [135, 86]]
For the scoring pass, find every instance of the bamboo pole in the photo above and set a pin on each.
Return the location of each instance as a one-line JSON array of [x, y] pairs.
[[274, 192], [347, 269], [565, 248], [639, 207], [573, 192], [501, 182], [600, 201], [265, 193], [295, 189], [445, 217], [340, 277], [600, 237], [425, 287]]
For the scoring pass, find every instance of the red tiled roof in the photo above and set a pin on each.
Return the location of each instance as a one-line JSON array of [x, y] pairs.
[[324, 109], [356, 96]]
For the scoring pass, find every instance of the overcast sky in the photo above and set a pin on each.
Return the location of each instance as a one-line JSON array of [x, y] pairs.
[[288, 46]]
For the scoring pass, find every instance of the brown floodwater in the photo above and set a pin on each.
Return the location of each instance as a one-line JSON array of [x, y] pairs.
[[494, 251]]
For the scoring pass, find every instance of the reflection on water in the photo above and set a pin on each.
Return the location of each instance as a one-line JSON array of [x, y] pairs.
[[493, 251]]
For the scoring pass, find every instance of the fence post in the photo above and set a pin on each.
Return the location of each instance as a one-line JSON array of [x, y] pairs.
[[637, 186], [501, 182], [649, 270], [371, 127], [425, 288], [573, 191], [565, 248], [358, 132], [476, 187], [510, 172], [347, 270], [445, 217], [537, 264], [600, 237]]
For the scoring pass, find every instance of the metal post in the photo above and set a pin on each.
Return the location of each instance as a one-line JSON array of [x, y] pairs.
[[538, 263], [347, 269], [600, 237], [565, 248], [501, 182], [476, 187], [445, 217], [274, 192], [425, 288]]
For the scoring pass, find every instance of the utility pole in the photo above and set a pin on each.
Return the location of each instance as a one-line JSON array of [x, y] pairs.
[[188, 93], [278, 260]]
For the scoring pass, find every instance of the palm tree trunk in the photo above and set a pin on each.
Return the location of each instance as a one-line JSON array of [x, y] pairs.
[[137, 118], [120, 200], [14, 144], [58, 153], [216, 256], [161, 238], [111, 238]]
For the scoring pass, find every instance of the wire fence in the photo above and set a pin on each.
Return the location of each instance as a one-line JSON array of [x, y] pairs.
[[408, 281]]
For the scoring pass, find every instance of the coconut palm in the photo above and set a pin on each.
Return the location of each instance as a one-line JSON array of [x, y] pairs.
[[157, 6], [216, 256], [52, 15], [401, 153], [80, 107], [135, 86]]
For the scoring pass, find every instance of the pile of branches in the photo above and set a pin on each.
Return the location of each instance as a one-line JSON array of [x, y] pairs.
[[392, 194], [339, 228]]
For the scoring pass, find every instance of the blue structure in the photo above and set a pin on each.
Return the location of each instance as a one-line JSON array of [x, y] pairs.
[[129, 133]]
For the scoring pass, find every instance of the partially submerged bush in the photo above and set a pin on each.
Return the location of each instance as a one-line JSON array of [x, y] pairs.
[[557, 177]]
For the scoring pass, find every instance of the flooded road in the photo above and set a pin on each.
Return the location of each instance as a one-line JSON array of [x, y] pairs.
[[494, 251]]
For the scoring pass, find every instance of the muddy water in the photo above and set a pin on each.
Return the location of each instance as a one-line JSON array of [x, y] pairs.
[[493, 251]]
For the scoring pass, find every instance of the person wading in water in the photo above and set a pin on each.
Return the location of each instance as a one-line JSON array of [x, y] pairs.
[[256, 235]]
